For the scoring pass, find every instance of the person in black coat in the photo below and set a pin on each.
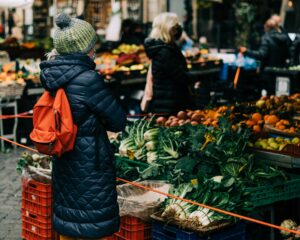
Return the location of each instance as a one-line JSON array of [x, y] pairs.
[[295, 51], [169, 68], [274, 48], [84, 180]]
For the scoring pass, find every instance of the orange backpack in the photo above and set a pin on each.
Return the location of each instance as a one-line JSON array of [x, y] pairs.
[[53, 131]]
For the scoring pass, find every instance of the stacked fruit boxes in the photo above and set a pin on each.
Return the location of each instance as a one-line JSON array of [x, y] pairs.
[[36, 210]]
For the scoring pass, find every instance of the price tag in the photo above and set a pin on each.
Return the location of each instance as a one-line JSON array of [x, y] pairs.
[[33, 228], [282, 86]]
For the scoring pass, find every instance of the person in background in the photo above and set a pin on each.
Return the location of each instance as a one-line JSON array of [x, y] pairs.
[[11, 21], [169, 68], [277, 19], [185, 43], [280, 28], [131, 33], [83, 180], [295, 51], [274, 47]]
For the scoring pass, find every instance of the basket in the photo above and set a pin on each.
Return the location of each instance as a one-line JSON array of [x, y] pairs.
[[289, 150], [10, 91], [161, 230], [271, 129], [265, 195], [203, 231]]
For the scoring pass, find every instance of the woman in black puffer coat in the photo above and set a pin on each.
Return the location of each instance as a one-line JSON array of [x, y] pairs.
[[84, 180], [169, 68]]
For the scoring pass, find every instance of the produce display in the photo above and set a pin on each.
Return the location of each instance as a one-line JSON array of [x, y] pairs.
[[204, 155], [204, 163], [278, 143], [124, 59], [291, 68], [46, 43], [28, 71], [290, 224]]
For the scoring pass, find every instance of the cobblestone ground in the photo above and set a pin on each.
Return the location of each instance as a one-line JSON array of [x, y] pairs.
[[10, 196]]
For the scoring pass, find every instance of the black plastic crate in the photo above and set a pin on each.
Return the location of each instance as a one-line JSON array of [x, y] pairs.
[[162, 231]]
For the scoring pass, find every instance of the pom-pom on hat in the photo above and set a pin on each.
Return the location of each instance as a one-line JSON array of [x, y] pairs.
[[73, 35]]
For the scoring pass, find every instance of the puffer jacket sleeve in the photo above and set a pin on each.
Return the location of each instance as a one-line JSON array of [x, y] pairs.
[[262, 52], [103, 104]]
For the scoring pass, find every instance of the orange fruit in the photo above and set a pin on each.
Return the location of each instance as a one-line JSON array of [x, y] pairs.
[[272, 119], [256, 128], [233, 127], [250, 123], [281, 127], [285, 122], [266, 116], [256, 117]]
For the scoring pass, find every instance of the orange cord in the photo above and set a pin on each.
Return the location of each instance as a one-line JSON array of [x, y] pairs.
[[183, 199], [236, 77], [18, 144]]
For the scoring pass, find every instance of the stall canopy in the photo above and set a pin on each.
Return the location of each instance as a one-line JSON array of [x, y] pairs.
[[15, 3]]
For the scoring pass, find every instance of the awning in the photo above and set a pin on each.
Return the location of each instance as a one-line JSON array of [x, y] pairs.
[[15, 3]]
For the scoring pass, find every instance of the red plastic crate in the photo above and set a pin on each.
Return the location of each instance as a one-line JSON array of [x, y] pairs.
[[133, 228], [44, 190], [130, 220], [135, 235], [34, 224], [35, 197], [39, 219], [37, 208], [28, 235]]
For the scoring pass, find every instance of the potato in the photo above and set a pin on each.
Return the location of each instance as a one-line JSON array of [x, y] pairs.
[[182, 115], [194, 123], [196, 117], [161, 120]]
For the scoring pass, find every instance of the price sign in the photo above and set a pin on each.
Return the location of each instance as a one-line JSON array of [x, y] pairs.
[[282, 86]]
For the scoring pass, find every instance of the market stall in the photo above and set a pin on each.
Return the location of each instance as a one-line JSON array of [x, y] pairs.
[[242, 159]]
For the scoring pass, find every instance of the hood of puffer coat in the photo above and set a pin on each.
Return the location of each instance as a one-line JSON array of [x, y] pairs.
[[58, 72]]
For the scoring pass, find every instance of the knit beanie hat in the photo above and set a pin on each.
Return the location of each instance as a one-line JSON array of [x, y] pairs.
[[73, 35]]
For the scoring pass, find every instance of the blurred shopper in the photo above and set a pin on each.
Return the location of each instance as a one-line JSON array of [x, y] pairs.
[[84, 180], [11, 21], [274, 48], [131, 33], [185, 42], [277, 19], [280, 28], [169, 68], [295, 51]]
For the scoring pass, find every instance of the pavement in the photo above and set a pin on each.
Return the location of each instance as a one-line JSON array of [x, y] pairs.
[[10, 196]]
